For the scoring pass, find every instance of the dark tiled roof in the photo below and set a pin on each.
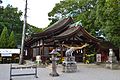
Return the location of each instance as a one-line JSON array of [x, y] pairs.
[[75, 30], [58, 24], [51, 31], [56, 27], [89, 36], [68, 33]]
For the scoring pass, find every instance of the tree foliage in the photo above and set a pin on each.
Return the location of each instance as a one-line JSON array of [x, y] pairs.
[[11, 18], [112, 24], [12, 41], [99, 17], [4, 38], [32, 29], [108, 17]]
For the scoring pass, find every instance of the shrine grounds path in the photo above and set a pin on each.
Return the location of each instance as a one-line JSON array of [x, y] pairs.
[[85, 72]]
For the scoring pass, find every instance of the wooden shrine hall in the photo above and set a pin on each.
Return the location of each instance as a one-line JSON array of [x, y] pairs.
[[64, 31]]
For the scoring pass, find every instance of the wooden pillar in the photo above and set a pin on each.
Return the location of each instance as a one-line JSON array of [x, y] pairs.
[[61, 48], [42, 47], [36, 49], [39, 47], [84, 53], [31, 53]]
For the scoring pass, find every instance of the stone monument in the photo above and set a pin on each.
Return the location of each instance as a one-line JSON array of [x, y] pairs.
[[112, 62], [69, 64]]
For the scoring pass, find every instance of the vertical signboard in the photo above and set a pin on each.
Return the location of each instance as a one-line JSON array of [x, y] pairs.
[[98, 57]]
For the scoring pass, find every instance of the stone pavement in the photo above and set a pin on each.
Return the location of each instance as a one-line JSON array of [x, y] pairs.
[[85, 72]]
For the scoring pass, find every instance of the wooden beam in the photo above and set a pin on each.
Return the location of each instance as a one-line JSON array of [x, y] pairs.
[[79, 38]]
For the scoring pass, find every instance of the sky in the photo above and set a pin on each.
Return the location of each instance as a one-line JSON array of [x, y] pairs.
[[37, 10]]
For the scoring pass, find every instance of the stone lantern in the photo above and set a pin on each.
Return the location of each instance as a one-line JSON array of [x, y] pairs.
[[112, 62], [54, 59]]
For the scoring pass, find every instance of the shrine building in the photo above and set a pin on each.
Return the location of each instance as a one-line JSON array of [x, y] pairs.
[[66, 31]]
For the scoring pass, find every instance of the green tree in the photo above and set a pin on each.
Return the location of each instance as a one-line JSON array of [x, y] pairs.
[[108, 18], [111, 26], [100, 8], [84, 10], [12, 41], [4, 38], [10, 17], [32, 29]]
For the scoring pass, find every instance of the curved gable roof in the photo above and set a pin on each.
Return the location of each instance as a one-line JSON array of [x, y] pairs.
[[74, 30], [51, 31], [55, 28]]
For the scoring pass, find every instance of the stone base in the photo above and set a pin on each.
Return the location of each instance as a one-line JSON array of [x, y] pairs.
[[112, 66], [54, 74], [69, 66], [98, 63]]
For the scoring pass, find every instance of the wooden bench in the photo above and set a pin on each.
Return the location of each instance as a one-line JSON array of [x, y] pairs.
[[23, 68]]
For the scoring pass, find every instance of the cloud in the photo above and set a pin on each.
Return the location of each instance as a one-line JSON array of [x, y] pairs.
[[37, 10]]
